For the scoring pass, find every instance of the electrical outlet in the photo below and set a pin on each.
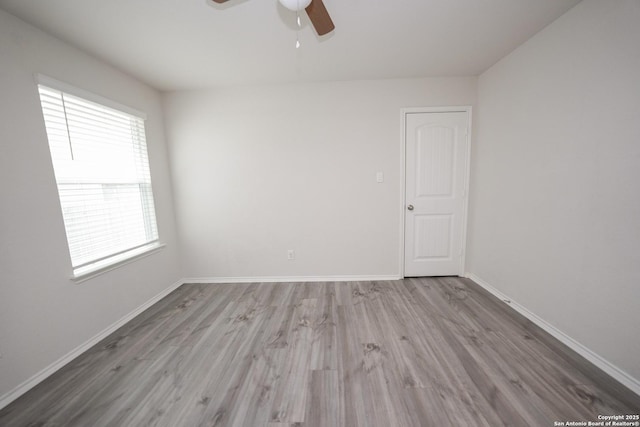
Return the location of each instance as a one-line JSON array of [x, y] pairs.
[[291, 254]]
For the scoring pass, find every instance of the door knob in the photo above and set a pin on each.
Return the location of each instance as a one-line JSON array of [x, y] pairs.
[[410, 207]]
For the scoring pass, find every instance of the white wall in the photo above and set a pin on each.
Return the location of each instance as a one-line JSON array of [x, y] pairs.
[[555, 193], [260, 170], [43, 314]]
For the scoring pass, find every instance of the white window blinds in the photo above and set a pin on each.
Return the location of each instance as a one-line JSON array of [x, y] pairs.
[[100, 160]]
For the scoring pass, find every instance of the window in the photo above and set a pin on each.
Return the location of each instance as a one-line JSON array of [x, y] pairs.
[[99, 156]]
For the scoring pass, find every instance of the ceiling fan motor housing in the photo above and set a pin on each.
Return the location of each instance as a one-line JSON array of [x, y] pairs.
[[295, 5]]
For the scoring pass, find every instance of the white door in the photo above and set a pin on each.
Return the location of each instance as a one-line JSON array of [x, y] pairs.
[[437, 151]]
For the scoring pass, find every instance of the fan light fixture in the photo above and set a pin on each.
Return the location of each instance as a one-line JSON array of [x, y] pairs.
[[295, 5]]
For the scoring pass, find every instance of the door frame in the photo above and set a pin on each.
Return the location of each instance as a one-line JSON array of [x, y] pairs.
[[404, 112]]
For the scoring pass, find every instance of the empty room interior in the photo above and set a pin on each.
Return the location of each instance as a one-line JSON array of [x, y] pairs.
[[320, 213]]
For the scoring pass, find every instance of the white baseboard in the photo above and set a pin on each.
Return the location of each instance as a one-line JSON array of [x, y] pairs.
[[51, 369], [618, 374], [272, 279]]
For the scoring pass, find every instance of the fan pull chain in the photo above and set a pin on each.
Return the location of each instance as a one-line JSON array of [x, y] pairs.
[[298, 29]]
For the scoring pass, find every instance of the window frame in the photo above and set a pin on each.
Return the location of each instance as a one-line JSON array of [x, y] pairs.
[[116, 260]]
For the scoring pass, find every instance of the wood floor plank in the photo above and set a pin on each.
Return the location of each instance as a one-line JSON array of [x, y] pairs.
[[413, 352], [325, 407], [293, 387], [350, 370], [230, 361], [324, 350]]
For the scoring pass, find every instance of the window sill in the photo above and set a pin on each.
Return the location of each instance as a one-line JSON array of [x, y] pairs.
[[89, 273]]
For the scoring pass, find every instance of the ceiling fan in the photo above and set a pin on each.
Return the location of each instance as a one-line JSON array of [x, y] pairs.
[[315, 10]]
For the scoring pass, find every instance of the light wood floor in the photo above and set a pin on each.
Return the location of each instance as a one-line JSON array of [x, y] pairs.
[[415, 352]]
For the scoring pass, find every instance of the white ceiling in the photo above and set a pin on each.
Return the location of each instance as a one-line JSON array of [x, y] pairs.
[[190, 44]]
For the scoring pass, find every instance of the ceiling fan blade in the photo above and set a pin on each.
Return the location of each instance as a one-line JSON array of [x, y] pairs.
[[320, 17]]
